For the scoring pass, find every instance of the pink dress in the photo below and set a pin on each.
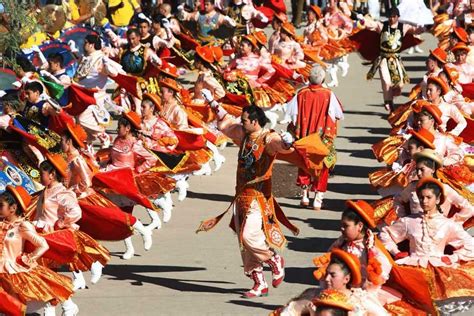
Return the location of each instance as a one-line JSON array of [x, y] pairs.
[[175, 115], [251, 66], [130, 153], [16, 235], [428, 236], [291, 54], [156, 129], [57, 206]]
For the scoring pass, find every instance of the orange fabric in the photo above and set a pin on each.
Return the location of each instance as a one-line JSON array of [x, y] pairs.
[[89, 251], [386, 177], [38, 284], [387, 149]]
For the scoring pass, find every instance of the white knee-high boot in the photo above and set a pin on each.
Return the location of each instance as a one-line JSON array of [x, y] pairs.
[[129, 250], [146, 235], [69, 308], [155, 219], [96, 272]]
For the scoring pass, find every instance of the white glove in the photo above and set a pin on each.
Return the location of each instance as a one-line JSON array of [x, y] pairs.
[[287, 138], [166, 24], [181, 7], [72, 45], [2, 93], [45, 73], [263, 18], [207, 94], [397, 167], [360, 16], [230, 21]]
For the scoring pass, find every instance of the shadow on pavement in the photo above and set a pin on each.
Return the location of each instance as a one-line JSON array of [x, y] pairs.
[[300, 275], [254, 304], [354, 171], [210, 196], [373, 130], [364, 139], [364, 153], [133, 274], [312, 244], [369, 113], [351, 188]]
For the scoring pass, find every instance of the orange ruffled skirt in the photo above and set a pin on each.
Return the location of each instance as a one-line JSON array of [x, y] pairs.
[[38, 284]]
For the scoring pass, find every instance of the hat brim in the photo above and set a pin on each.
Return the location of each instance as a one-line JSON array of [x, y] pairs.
[[155, 99], [318, 302], [132, 121], [356, 276], [369, 221], [422, 139], [200, 52], [438, 58], [60, 169], [75, 137], [422, 154], [17, 196]]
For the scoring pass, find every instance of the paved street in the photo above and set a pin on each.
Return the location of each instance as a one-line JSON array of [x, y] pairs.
[[191, 274]]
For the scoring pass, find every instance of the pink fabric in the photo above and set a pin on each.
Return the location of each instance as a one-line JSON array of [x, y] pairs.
[[428, 236], [155, 128], [251, 66], [291, 54], [209, 82], [466, 72], [447, 148], [57, 206], [16, 234], [130, 153], [175, 115], [79, 178], [450, 111]]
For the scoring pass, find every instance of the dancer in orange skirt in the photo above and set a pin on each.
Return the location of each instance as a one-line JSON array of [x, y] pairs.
[[448, 278], [20, 274]]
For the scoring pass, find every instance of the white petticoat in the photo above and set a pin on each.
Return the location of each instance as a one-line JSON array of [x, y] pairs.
[[415, 12]]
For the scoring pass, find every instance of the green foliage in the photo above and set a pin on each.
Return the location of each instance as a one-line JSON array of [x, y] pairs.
[[20, 23]]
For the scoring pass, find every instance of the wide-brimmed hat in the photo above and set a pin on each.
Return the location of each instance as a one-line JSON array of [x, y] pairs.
[[251, 39], [461, 34], [452, 74], [58, 162], [352, 262], [260, 37], [365, 210], [424, 136], [425, 180], [317, 11], [461, 46], [21, 196], [333, 298], [439, 54], [133, 118], [78, 134], [430, 154], [440, 83], [154, 98], [282, 17], [433, 110], [288, 28], [205, 53], [170, 83]]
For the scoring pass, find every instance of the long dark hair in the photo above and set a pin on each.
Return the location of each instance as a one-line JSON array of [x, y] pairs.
[[434, 188]]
